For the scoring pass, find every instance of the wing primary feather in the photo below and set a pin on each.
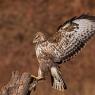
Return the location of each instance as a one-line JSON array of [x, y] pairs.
[[59, 27], [68, 21], [85, 16]]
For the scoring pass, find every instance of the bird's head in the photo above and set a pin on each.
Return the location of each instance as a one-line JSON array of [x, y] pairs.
[[39, 37]]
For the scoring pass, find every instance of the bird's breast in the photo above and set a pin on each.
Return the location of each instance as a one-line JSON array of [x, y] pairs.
[[47, 51], [38, 51]]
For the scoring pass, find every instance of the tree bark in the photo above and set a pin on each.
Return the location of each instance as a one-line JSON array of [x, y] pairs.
[[19, 85]]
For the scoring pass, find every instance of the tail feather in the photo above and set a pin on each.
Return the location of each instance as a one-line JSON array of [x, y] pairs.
[[57, 80], [59, 85]]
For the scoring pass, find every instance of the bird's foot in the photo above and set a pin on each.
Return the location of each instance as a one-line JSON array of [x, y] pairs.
[[37, 78], [59, 85], [34, 82]]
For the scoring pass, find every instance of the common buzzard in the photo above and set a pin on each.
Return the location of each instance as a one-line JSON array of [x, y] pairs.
[[65, 43]]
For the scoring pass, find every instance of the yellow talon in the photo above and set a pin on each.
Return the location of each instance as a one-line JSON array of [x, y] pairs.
[[33, 76], [37, 78]]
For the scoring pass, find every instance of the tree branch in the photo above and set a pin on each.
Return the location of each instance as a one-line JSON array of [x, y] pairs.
[[19, 85]]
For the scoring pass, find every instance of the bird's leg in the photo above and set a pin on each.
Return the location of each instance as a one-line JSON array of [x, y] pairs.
[[36, 79], [58, 82], [40, 75]]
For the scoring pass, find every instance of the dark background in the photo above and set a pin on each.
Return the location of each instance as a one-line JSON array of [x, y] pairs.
[[20, 19]]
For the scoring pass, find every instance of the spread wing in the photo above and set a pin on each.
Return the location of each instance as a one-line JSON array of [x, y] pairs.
[[74, 33]]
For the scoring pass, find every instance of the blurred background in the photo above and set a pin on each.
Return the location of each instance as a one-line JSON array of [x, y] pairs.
[[21, 19]]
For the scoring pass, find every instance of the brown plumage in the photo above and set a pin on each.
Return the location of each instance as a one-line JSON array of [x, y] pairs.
[[65, 43]]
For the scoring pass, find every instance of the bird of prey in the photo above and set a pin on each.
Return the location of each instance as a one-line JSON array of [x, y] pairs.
[[65, 43]]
